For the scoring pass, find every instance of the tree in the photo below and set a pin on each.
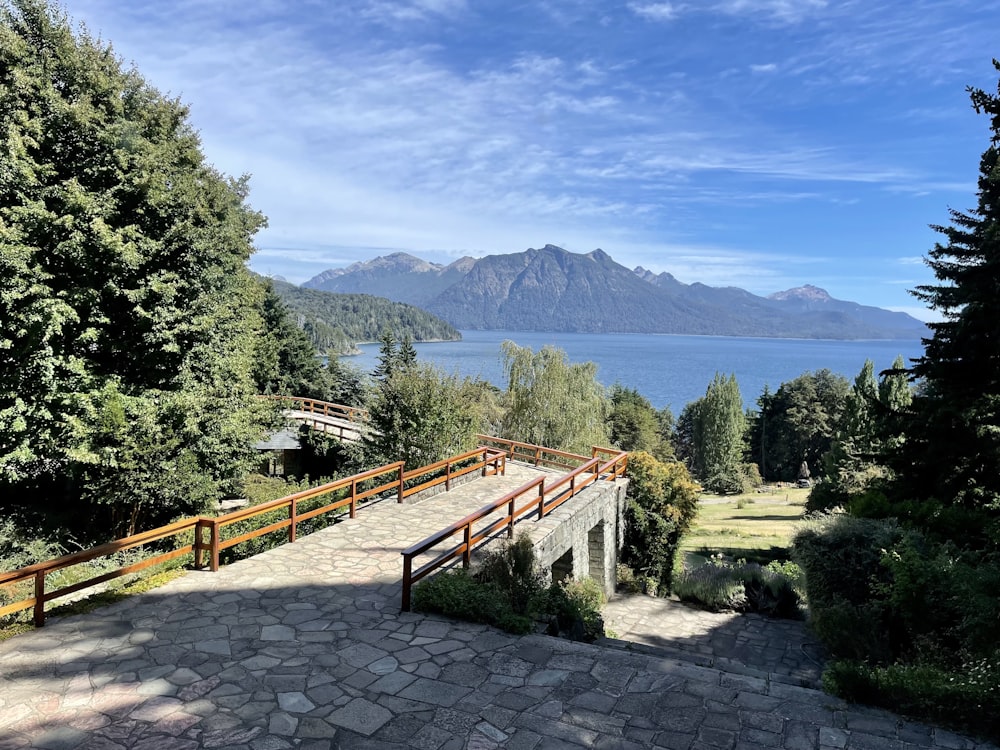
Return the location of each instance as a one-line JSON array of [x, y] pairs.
[[797, 423], [551, 402], [418, 414], [662, 504], [952, 449], [856, 460], [287, 362], [130, 322], [632, 422], [711, 435]]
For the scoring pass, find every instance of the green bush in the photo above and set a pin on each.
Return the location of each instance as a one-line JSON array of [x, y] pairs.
[[743, 587], [574, 609], [513, 571], [504, 593], [457, 594], [966, 697], [662, 505], [508, 591]]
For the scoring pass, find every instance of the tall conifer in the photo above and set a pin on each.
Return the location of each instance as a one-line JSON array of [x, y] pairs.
[[952, 452]]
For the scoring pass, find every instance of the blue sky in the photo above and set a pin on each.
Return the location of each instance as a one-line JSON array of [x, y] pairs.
[[757, 143]]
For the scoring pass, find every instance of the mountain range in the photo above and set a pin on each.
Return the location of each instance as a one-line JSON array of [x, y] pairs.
[[552, 289]]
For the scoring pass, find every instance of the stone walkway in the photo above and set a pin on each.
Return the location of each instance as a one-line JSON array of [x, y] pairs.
[[775, 650], [304, 646]]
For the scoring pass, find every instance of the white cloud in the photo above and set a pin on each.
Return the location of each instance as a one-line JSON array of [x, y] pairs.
[[765, 68], [791, 11], [655, 11]]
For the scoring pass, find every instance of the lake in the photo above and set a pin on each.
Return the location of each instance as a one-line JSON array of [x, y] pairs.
[[668, 370]]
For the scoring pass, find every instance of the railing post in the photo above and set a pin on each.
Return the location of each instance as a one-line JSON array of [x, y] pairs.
[[292, 519], [538, 455], [486, 454], [198, 556], [214, 548], [467, 552], [447, 476], [39, 598], [407, 572], [510, 513], [541, 499], [354, 498], [572, 486], [402, 488]]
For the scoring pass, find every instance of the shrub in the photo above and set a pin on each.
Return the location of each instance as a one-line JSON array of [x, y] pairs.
[[456, 594], [513, 571], [966, 697], [743, 587], [504, 593], [662, 504], [508, 592], [842, 560]]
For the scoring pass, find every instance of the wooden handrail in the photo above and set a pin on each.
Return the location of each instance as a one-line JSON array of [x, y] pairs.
[[563, 488], [325, 408], [486, 460]]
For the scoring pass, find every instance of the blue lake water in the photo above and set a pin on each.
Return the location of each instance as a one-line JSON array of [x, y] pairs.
[[668, 370]]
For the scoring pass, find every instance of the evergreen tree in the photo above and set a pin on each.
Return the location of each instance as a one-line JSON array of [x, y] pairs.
[[952, 449], [633, 422], [130, 322], [797, 423], [869, 428]]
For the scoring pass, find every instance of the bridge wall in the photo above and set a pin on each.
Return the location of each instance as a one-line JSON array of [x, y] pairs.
[[582, 537]]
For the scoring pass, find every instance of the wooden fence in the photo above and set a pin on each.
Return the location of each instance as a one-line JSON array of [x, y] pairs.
[[189, 535], [534, 497]]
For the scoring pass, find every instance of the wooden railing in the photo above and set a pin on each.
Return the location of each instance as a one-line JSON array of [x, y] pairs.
[[325, 408], [533, 497], [389, 479]]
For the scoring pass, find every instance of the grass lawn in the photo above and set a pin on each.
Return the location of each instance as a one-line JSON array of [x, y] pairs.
[[759, 531]]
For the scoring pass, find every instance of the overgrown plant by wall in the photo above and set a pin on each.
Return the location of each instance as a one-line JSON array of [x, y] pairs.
[[662, 503], [509, 592]]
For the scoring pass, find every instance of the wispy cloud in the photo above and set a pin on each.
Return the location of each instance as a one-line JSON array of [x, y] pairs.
[[444, 125], [655, 11]]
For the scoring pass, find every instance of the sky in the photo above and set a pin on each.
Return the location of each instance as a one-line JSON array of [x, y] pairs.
[[763, 144]]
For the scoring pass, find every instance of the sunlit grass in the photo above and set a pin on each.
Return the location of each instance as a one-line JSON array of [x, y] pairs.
[[757, 526]]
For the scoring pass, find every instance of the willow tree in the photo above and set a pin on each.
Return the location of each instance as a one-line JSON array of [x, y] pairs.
[[130, 322], [552, 402]]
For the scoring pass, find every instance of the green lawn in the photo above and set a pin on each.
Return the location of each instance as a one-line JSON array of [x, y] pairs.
[[759, 531]]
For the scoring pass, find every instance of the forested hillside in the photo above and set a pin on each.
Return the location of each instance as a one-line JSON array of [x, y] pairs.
[[336, 322]]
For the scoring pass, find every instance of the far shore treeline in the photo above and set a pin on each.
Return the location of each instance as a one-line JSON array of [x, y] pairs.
[[135, 344]]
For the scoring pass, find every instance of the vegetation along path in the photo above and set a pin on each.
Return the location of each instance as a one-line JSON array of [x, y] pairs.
[[305, 646]]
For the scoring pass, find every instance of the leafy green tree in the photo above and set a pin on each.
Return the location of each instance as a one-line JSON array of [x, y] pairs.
[[711, 434], [633, 423], [952, 448], [126, 302], [869, 428], [551, 402], [662, 503], [797, 423]]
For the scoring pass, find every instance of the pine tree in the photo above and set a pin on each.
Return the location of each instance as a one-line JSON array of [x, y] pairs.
[[952, 449]]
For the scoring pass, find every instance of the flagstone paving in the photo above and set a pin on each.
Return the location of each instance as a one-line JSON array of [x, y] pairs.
[[305, 646]]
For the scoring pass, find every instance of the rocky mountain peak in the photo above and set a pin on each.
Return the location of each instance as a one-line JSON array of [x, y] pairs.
[[807, 293]]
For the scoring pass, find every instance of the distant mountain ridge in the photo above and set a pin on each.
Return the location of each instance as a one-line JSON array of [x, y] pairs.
[[551, 289]]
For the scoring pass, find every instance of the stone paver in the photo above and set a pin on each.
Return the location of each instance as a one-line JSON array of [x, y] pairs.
[[318, 655], [779, 650]]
